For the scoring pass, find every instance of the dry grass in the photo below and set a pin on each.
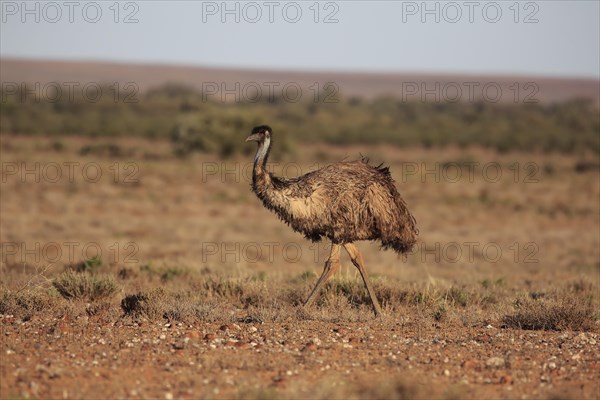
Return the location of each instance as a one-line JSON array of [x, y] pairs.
[[28, 303], [85, 286], [559, 311], [209, 297]]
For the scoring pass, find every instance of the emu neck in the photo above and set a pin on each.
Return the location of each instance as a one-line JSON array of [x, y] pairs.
[[259, 174]]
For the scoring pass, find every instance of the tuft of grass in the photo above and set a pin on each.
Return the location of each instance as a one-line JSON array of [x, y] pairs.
[[220, 287], [458, 296], [421, 297], [352, 289], [127, 273], [586, 166], [58, 145], [489, 283], [565, 311], [83, 285], [440, 312], [167, 273], [111, 150], [260, 276], [306, 276], [147, 304], [25, 304], [178, 306], [170, 273], [90, 265]]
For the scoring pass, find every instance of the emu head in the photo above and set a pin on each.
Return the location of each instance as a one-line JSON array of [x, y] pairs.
[[260, 134]]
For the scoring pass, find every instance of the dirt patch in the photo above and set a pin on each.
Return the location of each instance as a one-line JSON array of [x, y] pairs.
[[59, 358]]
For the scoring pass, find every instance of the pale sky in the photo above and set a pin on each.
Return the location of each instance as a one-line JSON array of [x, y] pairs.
[[554, 38]]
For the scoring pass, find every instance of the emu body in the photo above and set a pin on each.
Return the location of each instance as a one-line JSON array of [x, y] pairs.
[[343, 202]]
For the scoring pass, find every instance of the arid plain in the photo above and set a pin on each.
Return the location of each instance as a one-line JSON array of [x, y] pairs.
[[182, 285]]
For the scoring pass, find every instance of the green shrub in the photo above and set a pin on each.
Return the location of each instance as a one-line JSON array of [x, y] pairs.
[[90, 265], [197, 124]]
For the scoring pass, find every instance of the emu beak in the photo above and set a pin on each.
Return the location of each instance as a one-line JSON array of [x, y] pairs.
[[255, 137]]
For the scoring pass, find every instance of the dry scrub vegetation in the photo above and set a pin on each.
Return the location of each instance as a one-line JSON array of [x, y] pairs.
[[190, 312], [190, 296]]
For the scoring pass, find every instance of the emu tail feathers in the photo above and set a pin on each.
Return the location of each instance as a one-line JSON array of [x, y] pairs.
[[398, 227]]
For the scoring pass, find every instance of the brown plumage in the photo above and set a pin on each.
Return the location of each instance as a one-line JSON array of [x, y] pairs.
[[344, 202]]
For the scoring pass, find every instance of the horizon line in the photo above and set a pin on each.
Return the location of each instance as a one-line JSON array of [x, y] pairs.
[[311, 70]]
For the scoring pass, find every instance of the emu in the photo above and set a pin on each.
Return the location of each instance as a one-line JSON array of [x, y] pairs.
[[343, 202]]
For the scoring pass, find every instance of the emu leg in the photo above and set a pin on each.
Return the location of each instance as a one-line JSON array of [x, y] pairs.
[[331, 266], [359, 263]]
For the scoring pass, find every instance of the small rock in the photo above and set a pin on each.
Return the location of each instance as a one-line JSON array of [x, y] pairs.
[[34, 388], [192, 334], [179, 345], [506, 380], [209, 337], [581, 338], [495, 362], [279, 381], [309, 347], [446, 372], [483, 338], [340, 330]]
